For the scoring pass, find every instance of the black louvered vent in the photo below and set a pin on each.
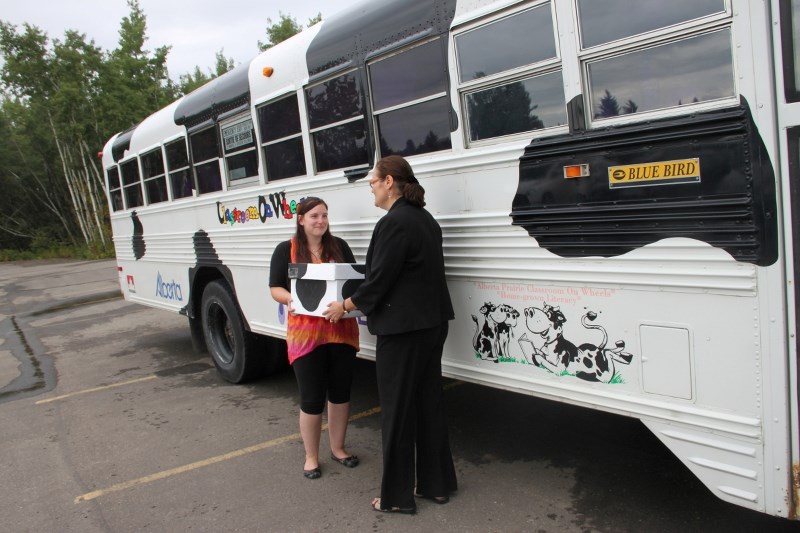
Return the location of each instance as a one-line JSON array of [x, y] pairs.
[[731, 206]]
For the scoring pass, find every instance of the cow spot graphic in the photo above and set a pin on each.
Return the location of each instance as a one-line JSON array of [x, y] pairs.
[[310, 292], [137, 239]]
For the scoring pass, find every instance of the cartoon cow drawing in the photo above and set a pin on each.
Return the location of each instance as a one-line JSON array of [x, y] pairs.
[[484, 339], [493, 340], [560, 356], [505, 318]]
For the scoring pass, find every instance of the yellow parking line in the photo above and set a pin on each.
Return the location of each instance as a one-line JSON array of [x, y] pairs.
[[211, 460], [104, 387], [206, 462]]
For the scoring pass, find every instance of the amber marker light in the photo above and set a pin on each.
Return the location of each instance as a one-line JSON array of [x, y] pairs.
[[267, 72], [576, 171]]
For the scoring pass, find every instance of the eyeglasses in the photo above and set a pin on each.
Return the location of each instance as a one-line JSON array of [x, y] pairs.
[[373, 181]]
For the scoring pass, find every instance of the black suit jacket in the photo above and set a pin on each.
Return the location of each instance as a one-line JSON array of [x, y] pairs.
[[405, 287]]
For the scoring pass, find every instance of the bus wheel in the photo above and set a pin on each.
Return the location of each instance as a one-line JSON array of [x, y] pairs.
[[226, 338]]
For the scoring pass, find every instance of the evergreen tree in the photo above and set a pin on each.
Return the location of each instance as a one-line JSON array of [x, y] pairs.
[[191, 81], [608, 107], [283, 29], [60, 102]]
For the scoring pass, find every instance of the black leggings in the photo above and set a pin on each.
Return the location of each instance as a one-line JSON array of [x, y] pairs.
[[325, 371]]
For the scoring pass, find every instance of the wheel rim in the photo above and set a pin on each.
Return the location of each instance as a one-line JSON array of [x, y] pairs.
[[221, 331]]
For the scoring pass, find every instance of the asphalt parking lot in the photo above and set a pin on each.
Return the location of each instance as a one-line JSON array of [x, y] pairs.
[[110, 422]]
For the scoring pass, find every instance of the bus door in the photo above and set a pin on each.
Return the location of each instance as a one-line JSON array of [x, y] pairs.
[[787, 72]]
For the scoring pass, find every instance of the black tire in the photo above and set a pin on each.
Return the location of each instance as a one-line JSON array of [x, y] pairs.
[[230, 345]]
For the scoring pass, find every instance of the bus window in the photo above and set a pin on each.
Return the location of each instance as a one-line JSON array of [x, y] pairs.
[[114, 189], [239, 145], [281, 138], [522, 39], [518, 106], [600, 22], [336, 118], [790, 37], [697, 69], [131, 184], [155, 182], [180, 179], [205, 159], [508, 82], [409, 99]]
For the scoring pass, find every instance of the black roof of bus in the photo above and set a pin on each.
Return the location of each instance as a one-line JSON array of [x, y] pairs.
[[227, 93], [354, 34]]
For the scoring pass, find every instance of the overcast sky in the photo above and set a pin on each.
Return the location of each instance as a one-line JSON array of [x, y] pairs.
[[195, 29]]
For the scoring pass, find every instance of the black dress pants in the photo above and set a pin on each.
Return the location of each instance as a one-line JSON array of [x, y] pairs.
[[413, 421]]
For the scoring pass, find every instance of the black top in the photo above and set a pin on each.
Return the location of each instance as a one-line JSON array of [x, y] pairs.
[[282, 256], [405, 287]]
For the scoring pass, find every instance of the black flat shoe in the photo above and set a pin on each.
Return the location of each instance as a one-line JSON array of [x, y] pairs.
[[441, 500], [314, 473], [376, 506], [349, 462]]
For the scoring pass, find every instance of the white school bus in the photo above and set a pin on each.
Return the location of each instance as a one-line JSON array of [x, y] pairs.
[[616, 180]]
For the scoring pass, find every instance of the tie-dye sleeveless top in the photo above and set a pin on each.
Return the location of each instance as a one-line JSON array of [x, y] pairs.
[[304, 333]]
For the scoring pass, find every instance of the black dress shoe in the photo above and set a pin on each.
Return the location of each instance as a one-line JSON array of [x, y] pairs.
[[314, 473], [376, 505], [441, 500], [349, 462]]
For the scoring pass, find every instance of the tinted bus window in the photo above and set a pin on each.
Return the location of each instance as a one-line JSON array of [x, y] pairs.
[[155, 182], [335, 113], [204, 145], [334, 100], [205, 158], [180, 178], [131, 184], [698, 69], [341, 146], [516, 41], [409, 97], [516, 107], [114, 188], [603, 21], [208, 177], [414, 130], [796, 45], [281, 138], [285, 159], [413, 74], [790, 37], [511, 81], [279, 119]]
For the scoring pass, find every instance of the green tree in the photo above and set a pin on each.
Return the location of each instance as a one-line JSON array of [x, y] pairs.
[[61, 101], [35, 94], [135, 82], [314, 20], [191, 81], [283, 29]]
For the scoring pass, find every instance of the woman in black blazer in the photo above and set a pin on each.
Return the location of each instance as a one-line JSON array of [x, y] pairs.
[[407, 303]]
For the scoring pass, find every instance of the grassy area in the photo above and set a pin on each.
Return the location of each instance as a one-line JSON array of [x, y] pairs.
[[58, 251]]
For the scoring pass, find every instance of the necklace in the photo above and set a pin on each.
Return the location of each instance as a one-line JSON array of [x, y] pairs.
[[317, 254]]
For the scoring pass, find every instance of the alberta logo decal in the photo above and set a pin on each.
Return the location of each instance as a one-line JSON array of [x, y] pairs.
[[169, 290]]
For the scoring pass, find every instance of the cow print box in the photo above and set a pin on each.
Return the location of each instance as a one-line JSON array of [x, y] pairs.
[[316, 285]]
